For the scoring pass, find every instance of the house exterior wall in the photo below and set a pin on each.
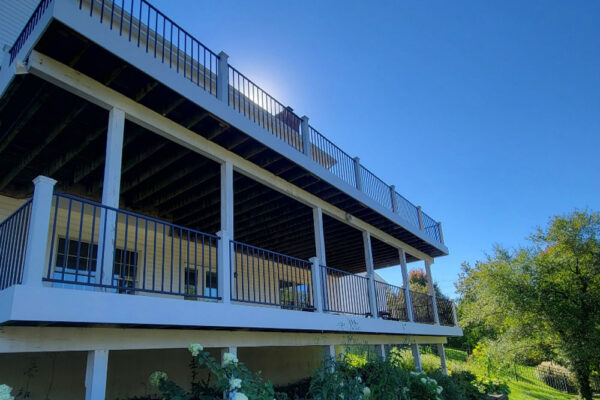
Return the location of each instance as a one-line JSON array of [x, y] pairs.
[[13, 17]]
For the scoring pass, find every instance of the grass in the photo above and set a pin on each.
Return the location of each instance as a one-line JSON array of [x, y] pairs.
[[526, 388]]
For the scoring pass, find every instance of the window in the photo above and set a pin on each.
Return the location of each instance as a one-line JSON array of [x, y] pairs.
[[192, 290], [76, 262], [293, 295]]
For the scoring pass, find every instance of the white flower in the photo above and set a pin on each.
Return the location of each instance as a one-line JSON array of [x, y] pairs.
[[359, 379], [424, 380], [229, 358], [157, 377], [235, 383], [195, 349], [439, 390], [5, 392], [433, 380], [366, 391], [239, 396]]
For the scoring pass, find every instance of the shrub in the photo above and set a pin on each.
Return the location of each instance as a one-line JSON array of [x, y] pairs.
[[386, 380], [294, 391], [451, 390], [422, 387], [337, 380], [464, 381], [233, 381]]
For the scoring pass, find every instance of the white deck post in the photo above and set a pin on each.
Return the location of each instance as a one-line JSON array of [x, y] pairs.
[[417, 357], [305, 136], [370, 273], [95, 375], [111, 187], [406, 283], [441, 232], [319, 235], [436, 317], [442, 354], [357, 174], [317, 284], [381, 351], [394, 199], [225, 272], [223, 77], [454, 316], [37, 238]]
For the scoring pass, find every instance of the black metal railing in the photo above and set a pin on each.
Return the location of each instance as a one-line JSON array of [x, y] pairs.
[[158, 35], [344, 292], [266, 277], [391, 302], [258, 106], [96, 246], [29, 27], [13, 241], [445, 312], [151, 30], [422, 305], [327, 154]]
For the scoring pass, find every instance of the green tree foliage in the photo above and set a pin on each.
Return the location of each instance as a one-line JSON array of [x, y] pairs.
[[540, 302], [417, 279]]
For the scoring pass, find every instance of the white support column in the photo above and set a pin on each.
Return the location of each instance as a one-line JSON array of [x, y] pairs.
[[319, 235], [357, 174], [370, 273], [406, 283], [305, 136], [225, 272], [317, 284], [111, 187], [394, 199], [231, 350], [37, 238], [416, 357], [436, 317], [381, 351], [95, 375], [420, 217], [442, 354], [223, 77]]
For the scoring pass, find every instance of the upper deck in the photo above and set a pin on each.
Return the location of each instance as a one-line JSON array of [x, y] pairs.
[[132, 48]]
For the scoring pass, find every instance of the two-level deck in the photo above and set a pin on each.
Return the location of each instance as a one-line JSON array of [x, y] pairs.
[[203, 204]]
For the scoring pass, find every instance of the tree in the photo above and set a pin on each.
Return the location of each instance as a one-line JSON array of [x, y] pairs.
[[540, 301], [417, 280]]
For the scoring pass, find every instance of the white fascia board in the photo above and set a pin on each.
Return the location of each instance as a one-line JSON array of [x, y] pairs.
[[48, 304], [67, 12]]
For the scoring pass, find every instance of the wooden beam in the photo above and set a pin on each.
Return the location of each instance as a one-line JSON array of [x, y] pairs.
[[157, 167], [24, 117]]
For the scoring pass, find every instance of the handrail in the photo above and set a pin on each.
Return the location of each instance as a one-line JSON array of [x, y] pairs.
[[344, 292], [13, 241]]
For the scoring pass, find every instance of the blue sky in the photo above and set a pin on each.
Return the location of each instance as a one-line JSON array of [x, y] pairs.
[[487, 114]]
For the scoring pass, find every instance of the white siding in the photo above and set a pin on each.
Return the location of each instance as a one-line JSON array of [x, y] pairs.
[[14, 14]]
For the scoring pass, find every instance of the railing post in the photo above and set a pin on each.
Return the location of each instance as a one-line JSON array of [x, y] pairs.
[[37, 238], [394, 200], [305, 136], [420, 215], [407, 295], [370, 273], [357, 174], [454, 315], [436, 317], [223, 77], [317, 281], [441, 233]]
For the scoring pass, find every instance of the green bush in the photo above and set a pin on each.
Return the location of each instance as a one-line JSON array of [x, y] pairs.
[[422, 387], [464, 381], [451, 390], [386, 380], [337, 380]]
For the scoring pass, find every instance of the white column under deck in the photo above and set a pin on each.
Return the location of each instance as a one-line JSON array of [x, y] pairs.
[[416, 356], [37, 238], [95, 375], [407, 295], [319, 235], [381, 351], [111, 187], [225, 271], [442, 354], [370, 273], [436, 317]]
